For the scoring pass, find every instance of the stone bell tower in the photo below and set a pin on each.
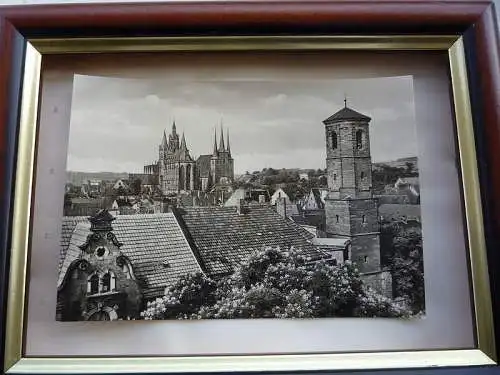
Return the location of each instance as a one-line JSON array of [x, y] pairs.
[[350, 209]]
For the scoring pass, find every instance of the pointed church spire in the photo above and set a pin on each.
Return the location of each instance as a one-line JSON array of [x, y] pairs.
[[227, 139], [345, 101], [164, 140], [221, 143], [215, 141], [183, 142], [174, 129]]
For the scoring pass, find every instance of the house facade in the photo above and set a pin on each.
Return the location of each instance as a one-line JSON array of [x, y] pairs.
[[99, 283]]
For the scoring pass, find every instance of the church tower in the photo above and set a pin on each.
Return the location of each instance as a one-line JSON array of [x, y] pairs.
[[350, 209], [221, 161]]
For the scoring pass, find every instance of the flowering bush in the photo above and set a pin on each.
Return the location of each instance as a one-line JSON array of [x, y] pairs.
[[274, 284], [182, 299]]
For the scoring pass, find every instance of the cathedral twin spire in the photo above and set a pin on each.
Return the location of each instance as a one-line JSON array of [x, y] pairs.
[[221, 147], [172, 142]]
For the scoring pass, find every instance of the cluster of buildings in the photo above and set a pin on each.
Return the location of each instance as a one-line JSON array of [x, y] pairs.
[[111, 264]]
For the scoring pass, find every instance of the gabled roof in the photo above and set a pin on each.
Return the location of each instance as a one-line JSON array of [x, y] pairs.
[[149, 241], [319, 197], [346, 114], [224, 238], [203, 164]]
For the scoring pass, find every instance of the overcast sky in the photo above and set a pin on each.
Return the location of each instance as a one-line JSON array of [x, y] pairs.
[[117, 123]]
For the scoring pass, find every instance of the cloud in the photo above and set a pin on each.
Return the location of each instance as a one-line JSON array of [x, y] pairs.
[[118, 123], [279, 99]]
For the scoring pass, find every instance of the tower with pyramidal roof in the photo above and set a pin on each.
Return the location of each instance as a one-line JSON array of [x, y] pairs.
[[350, 209]]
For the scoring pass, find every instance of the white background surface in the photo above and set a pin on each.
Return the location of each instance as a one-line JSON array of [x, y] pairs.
[[448, 321]]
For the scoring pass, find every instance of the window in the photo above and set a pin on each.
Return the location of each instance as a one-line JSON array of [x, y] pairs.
[[100, 251], [359, 139], [363, 219], [335, 177], [334, 141], [337, 218], [365, 259], [93, 284], [362, 175], [108, 282]]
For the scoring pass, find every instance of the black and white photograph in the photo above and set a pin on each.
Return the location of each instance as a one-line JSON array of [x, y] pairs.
[[240, 199]]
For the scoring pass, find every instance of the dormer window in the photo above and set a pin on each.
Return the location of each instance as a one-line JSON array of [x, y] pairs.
[[334, 140], [359, 139]]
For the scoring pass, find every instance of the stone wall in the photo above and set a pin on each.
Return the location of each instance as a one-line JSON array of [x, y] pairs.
[[363, 216], [380, 282], [337, 217], [351, 217], [365, 252]]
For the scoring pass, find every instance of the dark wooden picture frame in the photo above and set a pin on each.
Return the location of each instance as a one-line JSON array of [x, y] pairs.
[[473, 20]]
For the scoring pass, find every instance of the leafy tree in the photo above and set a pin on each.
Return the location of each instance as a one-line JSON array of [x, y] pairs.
[[405, 259], [276, 284], [408, 267]]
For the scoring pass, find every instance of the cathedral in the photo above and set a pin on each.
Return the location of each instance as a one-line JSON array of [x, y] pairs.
[[179, 172]]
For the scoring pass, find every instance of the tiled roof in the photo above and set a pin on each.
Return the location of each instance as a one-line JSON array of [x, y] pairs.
[[148, 241], [203, 164], [69, 224], [346, 114], [224, 238], [249, 195]]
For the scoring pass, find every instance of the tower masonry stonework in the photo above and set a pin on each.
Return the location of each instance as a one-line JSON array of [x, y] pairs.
[[351, 211]]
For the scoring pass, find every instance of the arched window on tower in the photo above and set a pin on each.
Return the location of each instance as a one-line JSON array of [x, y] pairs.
[[334, 140], [359, 139], [93, 284]]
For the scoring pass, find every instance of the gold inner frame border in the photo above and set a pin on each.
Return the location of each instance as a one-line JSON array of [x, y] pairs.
[[16, 362]]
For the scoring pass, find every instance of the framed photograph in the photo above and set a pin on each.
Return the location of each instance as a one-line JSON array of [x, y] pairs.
[[247, 186]]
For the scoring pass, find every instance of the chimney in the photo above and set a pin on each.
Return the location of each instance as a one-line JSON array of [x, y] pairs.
[[281, 207], [242, 207]]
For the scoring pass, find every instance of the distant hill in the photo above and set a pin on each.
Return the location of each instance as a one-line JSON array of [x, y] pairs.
[[387, 173], [398, 163], [77, 178]]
